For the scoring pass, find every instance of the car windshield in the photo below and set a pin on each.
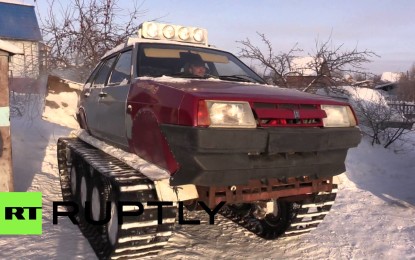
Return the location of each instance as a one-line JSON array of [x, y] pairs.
[[156, 60]]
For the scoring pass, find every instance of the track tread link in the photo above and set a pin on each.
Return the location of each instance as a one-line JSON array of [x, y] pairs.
[[137, 236], [303, 216]]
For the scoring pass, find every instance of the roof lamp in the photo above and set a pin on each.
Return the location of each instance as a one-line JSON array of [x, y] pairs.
[[152, 30], [168, 32], [198, 35], [184, 33], [160, 31]]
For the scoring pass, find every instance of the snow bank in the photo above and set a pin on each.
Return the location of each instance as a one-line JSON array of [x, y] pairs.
[[60, 108], [364, 95], [368, 104]]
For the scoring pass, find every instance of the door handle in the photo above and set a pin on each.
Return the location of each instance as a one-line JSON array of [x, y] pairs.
[[86, 94], [102, 94]]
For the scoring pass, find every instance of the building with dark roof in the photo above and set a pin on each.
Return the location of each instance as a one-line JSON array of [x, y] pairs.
[[19, 27], [18, 22]]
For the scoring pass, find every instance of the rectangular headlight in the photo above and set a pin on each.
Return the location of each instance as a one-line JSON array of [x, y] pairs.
[[230, 114], [338, 116]]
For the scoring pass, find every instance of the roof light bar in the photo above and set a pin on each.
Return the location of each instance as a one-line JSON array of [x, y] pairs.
[[160, 31]]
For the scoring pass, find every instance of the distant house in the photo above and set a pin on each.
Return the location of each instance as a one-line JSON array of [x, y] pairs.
[[301, 66], [367, 83], [302, 76], [19, 27], [390, 86], [391, 76], [388, 90]]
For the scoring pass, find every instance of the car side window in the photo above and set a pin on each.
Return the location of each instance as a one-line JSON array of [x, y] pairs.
[[88, 83], [122, 70], [103, 72]]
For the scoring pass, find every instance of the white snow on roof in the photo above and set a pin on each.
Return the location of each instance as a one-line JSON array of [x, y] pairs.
[[11, 48], [366, 95], [300, 64], [16, 2], [166, 79], [347, 77], [391, 76]]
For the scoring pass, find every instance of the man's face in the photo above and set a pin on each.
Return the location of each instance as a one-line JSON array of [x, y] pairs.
[[198, 70]]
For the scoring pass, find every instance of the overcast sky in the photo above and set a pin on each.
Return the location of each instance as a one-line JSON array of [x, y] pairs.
[[385, 27]]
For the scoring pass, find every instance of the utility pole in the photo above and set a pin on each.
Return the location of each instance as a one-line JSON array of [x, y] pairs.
[[6, 169]]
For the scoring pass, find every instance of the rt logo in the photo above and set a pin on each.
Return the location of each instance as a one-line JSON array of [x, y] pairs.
[[20, 213]]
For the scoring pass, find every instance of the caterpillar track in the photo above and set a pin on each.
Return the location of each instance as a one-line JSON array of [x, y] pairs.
[[88, 174], [292, 219]]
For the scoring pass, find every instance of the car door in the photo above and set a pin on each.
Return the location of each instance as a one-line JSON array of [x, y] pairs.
[[89, 102], [113, 99], [92, 97]]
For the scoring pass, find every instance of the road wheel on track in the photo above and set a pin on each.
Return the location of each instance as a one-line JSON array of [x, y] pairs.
[[80, 179], [74, 180], [111, 229], [268, 220], [100, 191], [274, 224], [85, 181], [75, 176]]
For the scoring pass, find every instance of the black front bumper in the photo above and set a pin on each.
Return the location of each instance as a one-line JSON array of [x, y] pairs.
[[220, 157]]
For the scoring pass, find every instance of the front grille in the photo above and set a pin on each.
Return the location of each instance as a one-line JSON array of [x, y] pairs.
[[290, 115]]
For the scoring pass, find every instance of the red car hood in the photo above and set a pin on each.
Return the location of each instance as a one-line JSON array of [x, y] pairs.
[[227, 90]]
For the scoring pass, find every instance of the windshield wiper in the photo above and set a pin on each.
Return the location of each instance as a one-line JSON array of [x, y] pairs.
[[243, 78]]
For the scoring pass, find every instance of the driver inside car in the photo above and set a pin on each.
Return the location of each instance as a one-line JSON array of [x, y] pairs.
[[197, 68]]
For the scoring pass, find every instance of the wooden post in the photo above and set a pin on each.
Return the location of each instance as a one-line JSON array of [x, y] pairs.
[[6, 170]]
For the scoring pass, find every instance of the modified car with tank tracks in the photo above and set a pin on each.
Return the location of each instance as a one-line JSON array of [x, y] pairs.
[[154, 130]]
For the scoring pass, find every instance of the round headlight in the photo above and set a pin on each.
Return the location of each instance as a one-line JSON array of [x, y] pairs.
[[152, 30], [198, 35], [184, 33], [168, 31]]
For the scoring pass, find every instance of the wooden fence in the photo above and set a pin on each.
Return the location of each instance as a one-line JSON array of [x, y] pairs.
[[408, 110]]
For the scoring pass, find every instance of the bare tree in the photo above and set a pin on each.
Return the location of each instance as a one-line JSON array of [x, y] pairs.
[[373, 116], [276, 65], [328, 61], [359, 77], [410, 74], [406, 89], [383, 123], [331, 61], [79, 32]]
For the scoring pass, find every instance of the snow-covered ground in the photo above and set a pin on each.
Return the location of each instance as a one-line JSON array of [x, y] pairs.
[[373, 217]]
